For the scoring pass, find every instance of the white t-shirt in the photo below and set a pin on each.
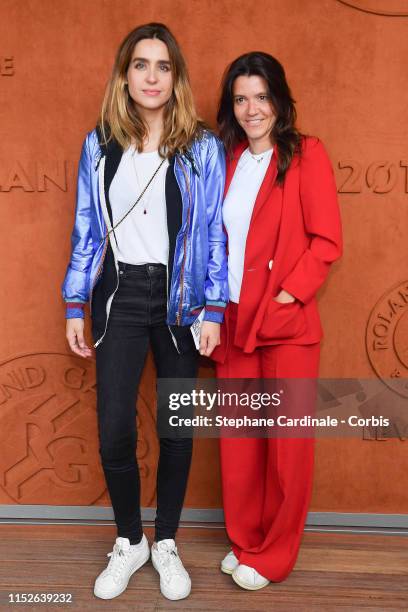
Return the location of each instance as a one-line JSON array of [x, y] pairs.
[[237, 212], [141, 237]]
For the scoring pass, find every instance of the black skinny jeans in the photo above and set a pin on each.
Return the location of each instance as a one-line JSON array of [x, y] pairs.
[[137, 318]]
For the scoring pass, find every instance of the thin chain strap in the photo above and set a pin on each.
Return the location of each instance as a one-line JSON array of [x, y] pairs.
[[137, 201]]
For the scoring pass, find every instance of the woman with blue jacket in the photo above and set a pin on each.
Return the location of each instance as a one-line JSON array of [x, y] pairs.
[[148, 254]]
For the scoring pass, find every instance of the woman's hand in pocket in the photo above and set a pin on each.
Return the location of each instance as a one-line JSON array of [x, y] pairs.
[[284, 297], [283, 319]]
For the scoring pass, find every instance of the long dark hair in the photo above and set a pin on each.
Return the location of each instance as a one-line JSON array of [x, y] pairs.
[[284, 134]]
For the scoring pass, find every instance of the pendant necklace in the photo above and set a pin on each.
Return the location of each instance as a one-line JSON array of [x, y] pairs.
[[257, 158], [145, 200]]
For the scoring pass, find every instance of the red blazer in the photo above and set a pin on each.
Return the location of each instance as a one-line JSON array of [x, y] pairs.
[[308, 242]]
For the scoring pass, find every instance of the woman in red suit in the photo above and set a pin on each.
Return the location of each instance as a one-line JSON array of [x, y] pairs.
[[284, 231]]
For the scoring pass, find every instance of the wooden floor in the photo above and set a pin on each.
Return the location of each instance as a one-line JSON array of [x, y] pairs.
[[333, 572]]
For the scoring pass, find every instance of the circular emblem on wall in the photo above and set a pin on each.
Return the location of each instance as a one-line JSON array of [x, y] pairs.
[[386, 8], [387, 338], [48, 432]]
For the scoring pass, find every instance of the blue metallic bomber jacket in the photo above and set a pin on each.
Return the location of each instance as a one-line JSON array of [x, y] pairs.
[[199, 272]]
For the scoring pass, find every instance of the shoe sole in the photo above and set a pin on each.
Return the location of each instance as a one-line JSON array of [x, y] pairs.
[[246, 586], [102, 595], [167, 594], [226, 570]]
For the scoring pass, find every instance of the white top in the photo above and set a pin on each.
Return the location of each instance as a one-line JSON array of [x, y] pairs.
[[141, 238], [237, 212]]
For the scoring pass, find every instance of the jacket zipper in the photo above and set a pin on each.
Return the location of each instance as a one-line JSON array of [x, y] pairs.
[[98, 273], [167, 295], [180, 308], [108, 225], [105, 248]]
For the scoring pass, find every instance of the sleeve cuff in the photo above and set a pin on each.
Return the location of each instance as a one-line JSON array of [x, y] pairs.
[[214, 312], [74, 310]]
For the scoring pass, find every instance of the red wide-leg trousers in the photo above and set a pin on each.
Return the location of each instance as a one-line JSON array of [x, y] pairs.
[[267, 482]]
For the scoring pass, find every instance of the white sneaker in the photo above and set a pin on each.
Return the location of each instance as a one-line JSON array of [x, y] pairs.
[[248, 578], [229, 563], [125, 559], [175, 582]]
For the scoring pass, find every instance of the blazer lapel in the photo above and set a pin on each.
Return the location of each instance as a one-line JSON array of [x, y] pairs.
[[267, 185]]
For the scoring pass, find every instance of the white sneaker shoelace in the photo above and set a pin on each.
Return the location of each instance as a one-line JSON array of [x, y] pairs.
[[170, 561], [118, 558]]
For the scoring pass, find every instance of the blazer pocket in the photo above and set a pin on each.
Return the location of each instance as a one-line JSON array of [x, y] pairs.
[[282, 321]]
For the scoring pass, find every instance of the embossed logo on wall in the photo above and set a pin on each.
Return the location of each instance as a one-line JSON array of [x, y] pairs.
[[385, 8], [7, 65], [380, 176], [48, 432], [38, 177], [387, 337]]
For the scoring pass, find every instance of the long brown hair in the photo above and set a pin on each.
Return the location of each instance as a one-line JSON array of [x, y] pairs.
[[284, 133], [119, 117]]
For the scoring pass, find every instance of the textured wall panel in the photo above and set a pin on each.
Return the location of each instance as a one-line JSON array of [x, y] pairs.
[[345, 63]]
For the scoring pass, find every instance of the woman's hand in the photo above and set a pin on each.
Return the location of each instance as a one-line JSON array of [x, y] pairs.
[[284, 297], [75, 337], [209, 338]]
